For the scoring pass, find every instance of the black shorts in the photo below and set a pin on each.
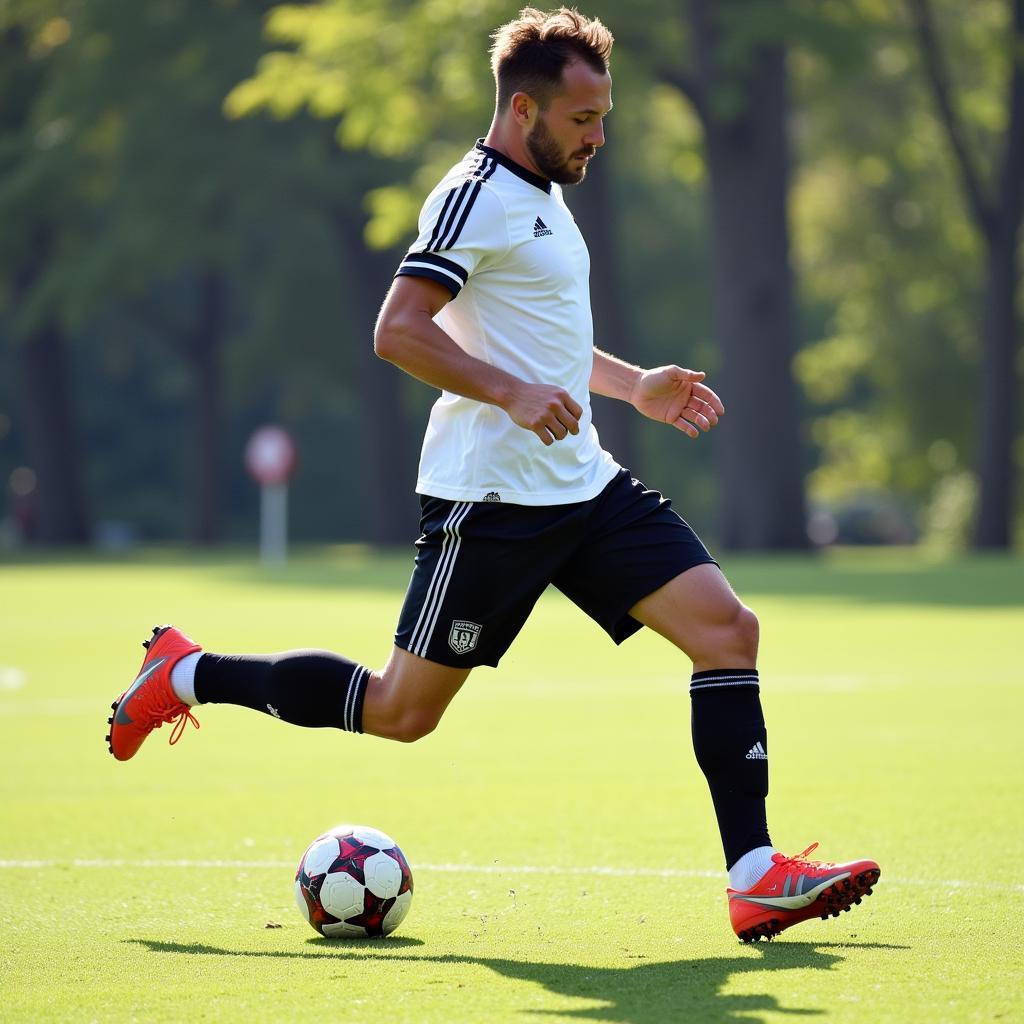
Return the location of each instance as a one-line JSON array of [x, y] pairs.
[[481, 566]]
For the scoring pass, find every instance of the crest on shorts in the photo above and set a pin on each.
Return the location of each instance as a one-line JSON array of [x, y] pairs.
[[463, 636]]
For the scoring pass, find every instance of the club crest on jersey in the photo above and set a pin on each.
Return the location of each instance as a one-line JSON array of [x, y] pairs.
[[463, 636]]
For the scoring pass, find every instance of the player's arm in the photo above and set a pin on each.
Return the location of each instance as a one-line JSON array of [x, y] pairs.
[[668, 394], [407, 336]]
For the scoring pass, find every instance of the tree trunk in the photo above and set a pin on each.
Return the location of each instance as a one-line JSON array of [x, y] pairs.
[[593, 204], [997, 214], [760, 451], [1000, 375], [206, 352], [59, 512], [58, 507], [999, 388]]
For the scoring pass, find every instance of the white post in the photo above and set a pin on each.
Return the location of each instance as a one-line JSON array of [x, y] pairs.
[[274, 524], [270, 457]]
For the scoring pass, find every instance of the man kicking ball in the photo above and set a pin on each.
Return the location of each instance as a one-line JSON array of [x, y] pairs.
[[491, 306]]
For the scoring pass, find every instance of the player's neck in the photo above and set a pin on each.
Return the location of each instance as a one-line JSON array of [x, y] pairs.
[[508, 140]]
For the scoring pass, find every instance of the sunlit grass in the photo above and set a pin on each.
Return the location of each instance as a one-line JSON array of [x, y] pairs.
[[892, 687]]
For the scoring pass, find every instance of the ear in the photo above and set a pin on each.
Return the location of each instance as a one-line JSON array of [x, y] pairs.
[[523, 109]]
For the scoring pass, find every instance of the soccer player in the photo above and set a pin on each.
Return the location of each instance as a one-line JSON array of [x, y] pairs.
[[491, 306]]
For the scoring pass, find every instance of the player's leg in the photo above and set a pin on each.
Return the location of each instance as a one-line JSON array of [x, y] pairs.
[[642, 564], [319, 689], [454, 618], [768, 892], [406, 699], [698, 611], [312, 688]]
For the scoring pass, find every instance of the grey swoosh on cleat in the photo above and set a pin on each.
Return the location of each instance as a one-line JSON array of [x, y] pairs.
[[122, 718], [797, 901]]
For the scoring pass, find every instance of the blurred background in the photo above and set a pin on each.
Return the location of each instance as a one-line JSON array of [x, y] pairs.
[[202, 203]]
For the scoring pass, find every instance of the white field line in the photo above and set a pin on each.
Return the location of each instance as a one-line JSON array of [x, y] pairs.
[[478, 869]]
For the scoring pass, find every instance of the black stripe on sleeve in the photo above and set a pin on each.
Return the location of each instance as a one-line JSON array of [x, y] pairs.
[[453, 214], [490, 165], [439, 262], [436, 268], [432, 244], [444, 218], [462, 220]]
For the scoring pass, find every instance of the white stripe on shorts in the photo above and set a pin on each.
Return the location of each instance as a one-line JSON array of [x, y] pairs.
[[439, 581]]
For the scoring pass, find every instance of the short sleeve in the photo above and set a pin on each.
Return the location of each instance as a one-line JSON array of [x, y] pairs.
[[461, 228]]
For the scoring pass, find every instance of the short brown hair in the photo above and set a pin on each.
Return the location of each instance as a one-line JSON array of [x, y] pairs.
[[530, 53]]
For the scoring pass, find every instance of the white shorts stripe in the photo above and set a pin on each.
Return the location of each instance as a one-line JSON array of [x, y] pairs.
[[449, 548], [434, 579], [430, 588], [444, 583]]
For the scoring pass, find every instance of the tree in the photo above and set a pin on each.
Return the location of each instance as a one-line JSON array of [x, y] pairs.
[[737, 85], [42, 177], [996, 207], [209, 233], [181, 203]]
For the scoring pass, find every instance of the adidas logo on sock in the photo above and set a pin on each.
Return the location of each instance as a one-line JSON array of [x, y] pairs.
[[757, 753], [540, 229]]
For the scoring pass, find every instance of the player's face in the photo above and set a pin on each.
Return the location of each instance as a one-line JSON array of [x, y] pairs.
[[567, 135]]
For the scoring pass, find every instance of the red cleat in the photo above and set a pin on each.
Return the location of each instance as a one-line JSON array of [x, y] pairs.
[[796, 889], [150, 701]]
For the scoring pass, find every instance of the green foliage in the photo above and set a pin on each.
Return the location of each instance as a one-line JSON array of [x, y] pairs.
[[148, 144], [891, 264], [115, 145], [387, 71]]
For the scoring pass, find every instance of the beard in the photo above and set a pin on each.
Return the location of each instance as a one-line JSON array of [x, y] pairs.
[[547, 155]]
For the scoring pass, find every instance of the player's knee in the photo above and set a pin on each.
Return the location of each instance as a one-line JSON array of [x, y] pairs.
[[413, 725], [730, 640], [746, 632]]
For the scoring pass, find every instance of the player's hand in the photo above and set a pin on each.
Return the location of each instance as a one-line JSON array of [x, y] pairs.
[[550, 412], [672, 395]]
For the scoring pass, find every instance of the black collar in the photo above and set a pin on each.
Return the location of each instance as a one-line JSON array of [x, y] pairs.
[[517, 169]]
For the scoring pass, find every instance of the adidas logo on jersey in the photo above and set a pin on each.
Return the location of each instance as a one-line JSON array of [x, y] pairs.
[[492, 496], [540, 229], [757, 753]]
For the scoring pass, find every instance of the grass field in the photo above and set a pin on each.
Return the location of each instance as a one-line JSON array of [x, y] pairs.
[[566, 860]]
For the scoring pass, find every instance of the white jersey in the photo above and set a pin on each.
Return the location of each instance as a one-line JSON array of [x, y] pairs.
[[505, 244]]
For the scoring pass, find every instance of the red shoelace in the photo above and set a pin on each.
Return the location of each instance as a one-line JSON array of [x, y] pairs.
[[184, 716], [800, 859]]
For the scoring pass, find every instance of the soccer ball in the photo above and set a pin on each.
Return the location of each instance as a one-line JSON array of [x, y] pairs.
[[353, 882]]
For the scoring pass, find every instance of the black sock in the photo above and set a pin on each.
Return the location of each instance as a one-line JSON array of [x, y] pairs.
[[316, 689], [731, 745]]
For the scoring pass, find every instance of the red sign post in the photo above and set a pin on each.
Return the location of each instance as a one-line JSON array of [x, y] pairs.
[[271, 458]]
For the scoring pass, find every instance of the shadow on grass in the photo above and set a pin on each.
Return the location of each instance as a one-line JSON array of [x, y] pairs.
[[661, 991]]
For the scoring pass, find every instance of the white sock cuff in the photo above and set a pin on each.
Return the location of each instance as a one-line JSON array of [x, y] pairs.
[[750, 867], [183, 678]]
